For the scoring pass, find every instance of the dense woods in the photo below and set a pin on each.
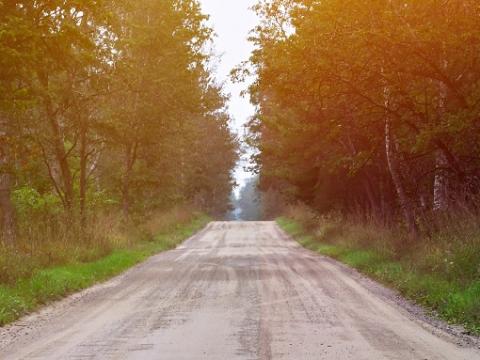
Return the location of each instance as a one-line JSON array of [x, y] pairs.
[[106, 106], [369, 107]]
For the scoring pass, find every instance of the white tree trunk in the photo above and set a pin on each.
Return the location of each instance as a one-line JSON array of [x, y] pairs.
[[395, 170], [440, 184]]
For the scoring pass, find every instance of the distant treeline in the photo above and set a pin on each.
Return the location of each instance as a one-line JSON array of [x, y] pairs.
[[368, 106], [107, 105]]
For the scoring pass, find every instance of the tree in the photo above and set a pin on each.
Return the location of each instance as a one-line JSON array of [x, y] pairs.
[[108, 102], [368, 105]]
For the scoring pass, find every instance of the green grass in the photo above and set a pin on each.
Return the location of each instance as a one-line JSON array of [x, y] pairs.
[[453, 298], [46, 285]]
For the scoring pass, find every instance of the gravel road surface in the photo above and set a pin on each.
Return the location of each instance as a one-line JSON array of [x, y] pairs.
[[236, 290]]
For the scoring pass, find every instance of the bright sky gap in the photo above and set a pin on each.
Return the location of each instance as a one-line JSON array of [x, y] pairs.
[[232, 22]]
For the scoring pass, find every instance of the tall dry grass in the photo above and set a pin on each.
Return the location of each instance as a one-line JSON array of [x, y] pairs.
[[449, 243], [440, 270], [53, 241]]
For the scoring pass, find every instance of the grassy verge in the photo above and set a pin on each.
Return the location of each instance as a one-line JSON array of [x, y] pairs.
[[453, 297], [50, 284]]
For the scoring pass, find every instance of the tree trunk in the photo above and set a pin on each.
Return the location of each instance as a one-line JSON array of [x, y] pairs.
[[372, 201], [126, 190], [7, 209], [9, 231], [130, 158], [62, 160], [61, 155], [83, 174], [393, 167], [440, 184]]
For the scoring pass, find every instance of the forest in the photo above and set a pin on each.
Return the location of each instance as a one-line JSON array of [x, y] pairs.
[[367, 136], [109, 112], [369, 107], [117, 143]]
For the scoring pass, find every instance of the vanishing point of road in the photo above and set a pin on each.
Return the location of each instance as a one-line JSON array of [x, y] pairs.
[[236, 290]]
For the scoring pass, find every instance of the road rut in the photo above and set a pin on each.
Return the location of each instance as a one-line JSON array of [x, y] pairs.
[[236, 290]]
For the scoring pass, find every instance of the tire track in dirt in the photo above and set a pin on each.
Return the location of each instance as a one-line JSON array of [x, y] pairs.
[[235, 290]]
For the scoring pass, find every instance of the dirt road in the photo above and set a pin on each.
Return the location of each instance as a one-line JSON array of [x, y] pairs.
[[234, 291]]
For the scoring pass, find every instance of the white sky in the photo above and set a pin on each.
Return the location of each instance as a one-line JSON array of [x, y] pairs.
[[232, 21]]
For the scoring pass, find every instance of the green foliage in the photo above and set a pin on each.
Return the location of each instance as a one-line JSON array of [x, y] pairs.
[[329, 74], [107, 105], [29, 202]]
